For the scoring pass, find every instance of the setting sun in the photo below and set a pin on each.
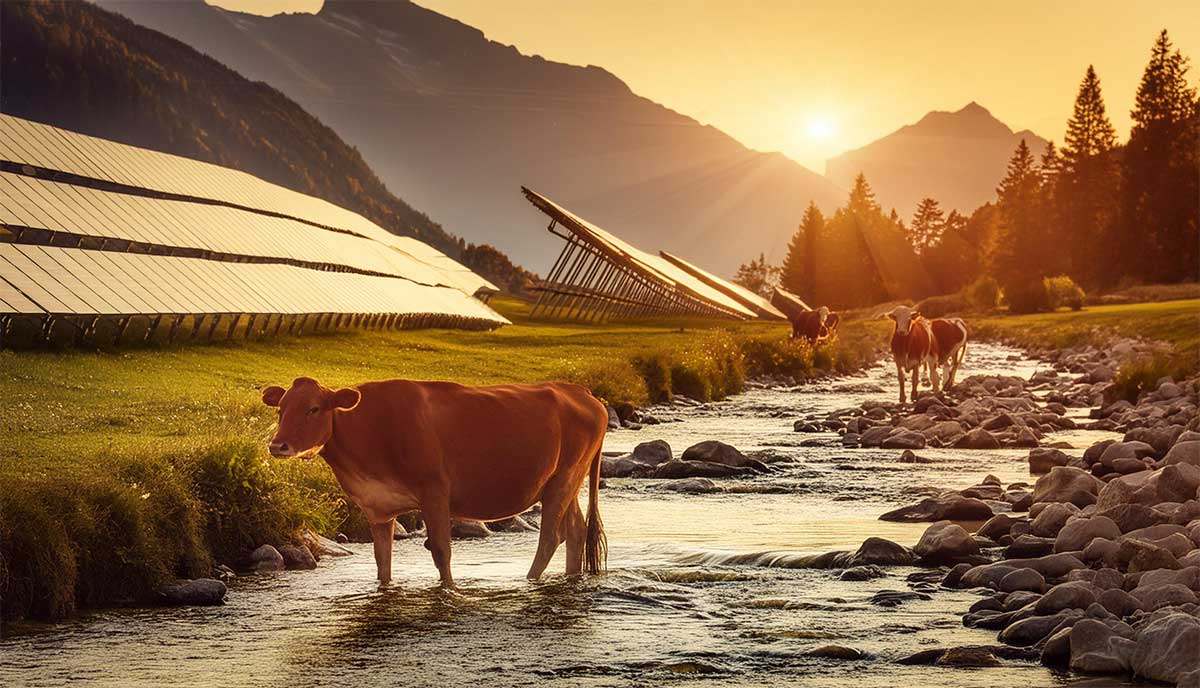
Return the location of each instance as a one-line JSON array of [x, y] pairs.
[[820, 128]]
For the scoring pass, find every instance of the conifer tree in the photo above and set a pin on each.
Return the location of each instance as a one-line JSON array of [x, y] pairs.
[[927, 226], [1085, 184], [799, 267], [1018, 241], [1157, 236]]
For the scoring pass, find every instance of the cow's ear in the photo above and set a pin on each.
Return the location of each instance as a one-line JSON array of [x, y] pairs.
[[345, 398], [892, 316], [271, 395]]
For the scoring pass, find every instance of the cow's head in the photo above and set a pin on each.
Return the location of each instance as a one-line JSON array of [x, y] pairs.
[[306, 414], [903, 316], [823, 314]]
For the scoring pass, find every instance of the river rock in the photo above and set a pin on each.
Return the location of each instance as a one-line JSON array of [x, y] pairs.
[[1023, 580], [1067, 484], [198, 592], [905, 439], [295, 557], [1151, 597], [836, 652], [1115, 493], [946, 507], [1166, 648], [1135, 555], [1024, 546], [862, 573], [1130, 517], [996, 526], [1189, 577], [873, 437], [1043, 459], [1097, 648], [1078, 532], [907, 456], [1031, 630], [1050, 566], [462, 529], [878, 551], [714, 451], [512, 524], [977, 438], [1071, 595], [1051, 518], [698, 469], [1119, 602], [1183, 452], [266, 558], [945, 433], [1125, 450], [691, 486], [946, 542], [970, 656]]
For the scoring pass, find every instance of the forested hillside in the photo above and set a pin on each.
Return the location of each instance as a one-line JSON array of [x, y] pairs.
[[74, 65]]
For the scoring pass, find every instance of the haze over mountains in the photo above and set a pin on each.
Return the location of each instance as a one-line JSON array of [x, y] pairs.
[[957, 158], [455, 123]]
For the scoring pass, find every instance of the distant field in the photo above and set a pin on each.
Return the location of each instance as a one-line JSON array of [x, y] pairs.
[[1174, 322]]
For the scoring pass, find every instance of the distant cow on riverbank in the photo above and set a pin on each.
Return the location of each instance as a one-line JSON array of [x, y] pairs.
[[912, 347], [453, 451], [815, 326], [950, 346]]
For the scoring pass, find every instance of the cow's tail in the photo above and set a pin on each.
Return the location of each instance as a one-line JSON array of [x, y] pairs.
[[962, 350], [595, 547]]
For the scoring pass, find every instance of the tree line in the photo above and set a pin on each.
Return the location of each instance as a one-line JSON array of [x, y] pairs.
[[1102, 214]]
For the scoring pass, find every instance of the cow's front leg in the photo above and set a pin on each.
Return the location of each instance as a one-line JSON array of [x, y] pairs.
[[916, 374], [934, 380], [900, 376], [437, 529], [381, 536]]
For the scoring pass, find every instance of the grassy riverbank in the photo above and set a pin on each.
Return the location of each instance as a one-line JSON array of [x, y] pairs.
[[122, 470]]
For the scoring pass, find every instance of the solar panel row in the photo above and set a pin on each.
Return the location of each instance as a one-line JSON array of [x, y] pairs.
[[690, 293], [101, 230], [40, 145]]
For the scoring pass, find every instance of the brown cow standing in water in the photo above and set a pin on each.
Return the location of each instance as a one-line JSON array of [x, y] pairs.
[[453, 451], [950, 346], [912, 347]]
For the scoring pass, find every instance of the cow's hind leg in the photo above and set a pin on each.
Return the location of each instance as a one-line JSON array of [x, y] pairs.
[[932, 364], [554, 505], [916, 373], [574, 532], [437, 529], [900, 376], [381, 536]]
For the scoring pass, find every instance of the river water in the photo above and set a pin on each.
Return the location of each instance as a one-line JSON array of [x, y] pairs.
[[670, 611]]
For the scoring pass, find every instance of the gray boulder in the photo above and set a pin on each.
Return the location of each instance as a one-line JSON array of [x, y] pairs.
[[468, 530], [1067, 484], [198, 592], [266, 558], [1031, 630], [691, 486], [1183, 452], [1023, 580], [1119, 602], [1151, 597], [977, 438], [1051, 518], [1166, 648], [698, 469], [1096, 648], [1072, 595], [1043, 459], [947, 507], [714, 451], [297, 557], [1078, 532], [946, 542], [878, 551]]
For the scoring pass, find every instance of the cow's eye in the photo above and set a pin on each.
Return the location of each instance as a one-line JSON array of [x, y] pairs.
[[313, 410]]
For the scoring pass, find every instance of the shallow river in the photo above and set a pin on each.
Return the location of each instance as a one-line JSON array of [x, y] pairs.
[[667, 612]]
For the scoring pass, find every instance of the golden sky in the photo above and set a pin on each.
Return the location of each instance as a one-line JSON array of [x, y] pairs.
[[815, 78]]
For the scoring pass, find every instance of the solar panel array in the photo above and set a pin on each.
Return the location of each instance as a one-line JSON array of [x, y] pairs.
[[600, 276], [737, 292], [96, 228]]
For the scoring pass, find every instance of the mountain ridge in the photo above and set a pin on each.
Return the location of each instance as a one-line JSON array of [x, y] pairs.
[[955, 157], [456, 123]]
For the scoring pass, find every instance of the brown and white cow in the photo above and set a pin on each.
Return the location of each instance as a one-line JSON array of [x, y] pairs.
[[912, 347], [950, 343], [815, 325], [453, 451]]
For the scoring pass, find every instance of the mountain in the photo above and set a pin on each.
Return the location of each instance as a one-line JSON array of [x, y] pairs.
[[957, 158], [456, 123], [74, 65]]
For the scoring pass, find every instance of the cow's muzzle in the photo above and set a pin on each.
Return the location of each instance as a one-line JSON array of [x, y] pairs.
[[280, 449]]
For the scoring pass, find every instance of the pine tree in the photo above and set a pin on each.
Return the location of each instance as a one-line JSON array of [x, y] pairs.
[[758, 276], [927, 226], [1085, 184], [1018, 241], [1050, 168], [862, 198], [799, 267], [1157, 236]]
